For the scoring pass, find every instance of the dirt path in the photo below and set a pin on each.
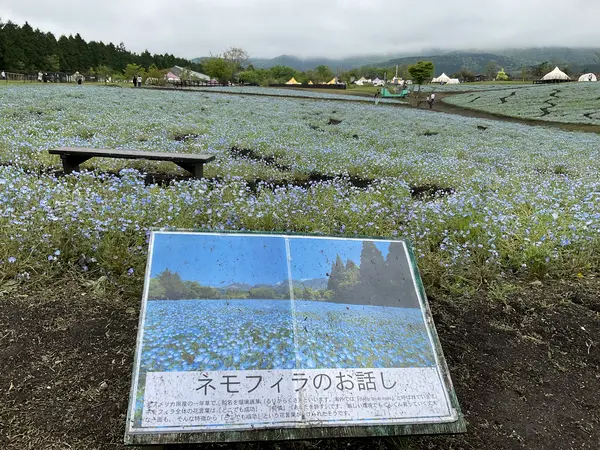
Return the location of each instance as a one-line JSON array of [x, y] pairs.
[[524, 362]]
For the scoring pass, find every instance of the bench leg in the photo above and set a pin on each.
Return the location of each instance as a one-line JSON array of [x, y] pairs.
[[195, 169], [71, 162]]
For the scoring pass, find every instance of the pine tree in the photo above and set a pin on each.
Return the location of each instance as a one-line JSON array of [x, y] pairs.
[[372, 264], [371, 274], [173, 285], [398, 284], [336, 275], [23, 48]]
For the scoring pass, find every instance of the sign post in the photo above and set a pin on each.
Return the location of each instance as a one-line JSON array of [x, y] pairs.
[[272, 337]]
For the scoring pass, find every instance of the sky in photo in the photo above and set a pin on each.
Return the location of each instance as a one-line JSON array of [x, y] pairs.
[[220, 260], [336, 29], [313, 258]]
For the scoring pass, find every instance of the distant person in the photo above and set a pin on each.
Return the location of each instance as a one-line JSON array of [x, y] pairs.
[[3, 75], [377, 96], [431, 100], [134, 81], [139, 80]]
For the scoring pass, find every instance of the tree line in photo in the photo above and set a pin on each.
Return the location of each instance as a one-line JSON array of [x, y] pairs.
[[374, 281]]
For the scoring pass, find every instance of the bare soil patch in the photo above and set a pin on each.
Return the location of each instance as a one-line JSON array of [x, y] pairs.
[[525, 366]]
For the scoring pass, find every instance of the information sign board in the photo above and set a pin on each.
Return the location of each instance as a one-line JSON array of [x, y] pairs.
[[264, 336]]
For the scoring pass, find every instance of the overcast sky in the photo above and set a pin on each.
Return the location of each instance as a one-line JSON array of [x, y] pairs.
[[331, 28]]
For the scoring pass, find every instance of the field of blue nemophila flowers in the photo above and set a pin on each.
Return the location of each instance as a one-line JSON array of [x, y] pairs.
[[187, 335], [347, 95], [565, 102], [476, 203]]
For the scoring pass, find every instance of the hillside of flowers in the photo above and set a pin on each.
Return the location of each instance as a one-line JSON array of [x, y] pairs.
[[476, 204], [566, 102]]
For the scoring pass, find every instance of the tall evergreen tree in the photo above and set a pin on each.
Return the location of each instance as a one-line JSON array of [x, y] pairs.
[[173, 285], [372, 264], [398, 283], [336, 275], [371, 273], [24, 49]]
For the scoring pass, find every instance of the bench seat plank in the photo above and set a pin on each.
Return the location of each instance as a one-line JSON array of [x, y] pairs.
[[131, 154], [73, 156]]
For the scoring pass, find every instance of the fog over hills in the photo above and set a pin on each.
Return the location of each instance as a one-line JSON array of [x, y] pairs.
[[511, 59]]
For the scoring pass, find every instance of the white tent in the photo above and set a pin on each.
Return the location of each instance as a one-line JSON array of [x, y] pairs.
[[362, 81], [453, 81], [588, 77], [556, 74], [443, 78]]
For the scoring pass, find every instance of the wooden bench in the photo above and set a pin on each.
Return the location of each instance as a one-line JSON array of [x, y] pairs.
[[73, 156]]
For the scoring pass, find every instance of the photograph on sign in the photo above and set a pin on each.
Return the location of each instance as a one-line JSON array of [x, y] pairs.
[[247, 331]]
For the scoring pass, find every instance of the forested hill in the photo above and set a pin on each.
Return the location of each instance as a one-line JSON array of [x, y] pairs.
[[512, 60], [456, 61], [24, 49]]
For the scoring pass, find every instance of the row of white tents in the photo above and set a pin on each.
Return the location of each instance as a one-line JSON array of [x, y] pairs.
[[555, 75], [559, 75]]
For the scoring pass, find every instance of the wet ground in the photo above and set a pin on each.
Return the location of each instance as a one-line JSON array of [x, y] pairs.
[[524, 359]]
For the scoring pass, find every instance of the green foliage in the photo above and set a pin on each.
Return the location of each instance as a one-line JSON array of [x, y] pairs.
[[491, 69], [541, 69], [219, 69], [501, 75], [262, 292], [133, 70], [281, 74], [168, 285], [375, 278], [172, 284], [196, 290], [23, 48], [156, 290], [249, 77], [52, 63], [464, 74], [323, 74], [236, 294], [421, 72], [103, 72]]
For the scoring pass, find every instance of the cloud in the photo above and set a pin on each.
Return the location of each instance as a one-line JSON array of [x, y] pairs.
[[333, 28]]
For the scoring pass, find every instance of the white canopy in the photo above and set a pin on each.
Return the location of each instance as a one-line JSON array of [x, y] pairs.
[[443, 78], [362, 81], [588, 77], [453, 81], [556, 74]]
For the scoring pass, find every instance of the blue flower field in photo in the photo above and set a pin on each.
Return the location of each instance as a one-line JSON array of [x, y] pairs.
[[197, 335]]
